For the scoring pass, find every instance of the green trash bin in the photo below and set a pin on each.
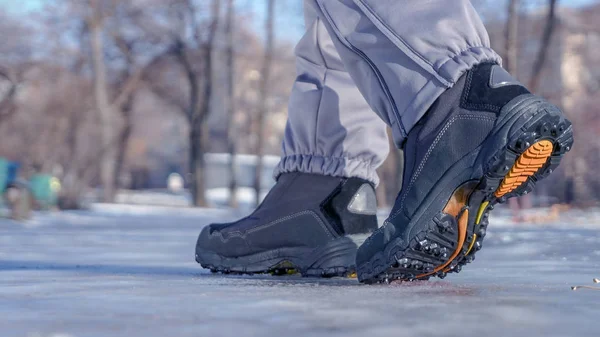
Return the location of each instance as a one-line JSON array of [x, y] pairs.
[[44, 188]]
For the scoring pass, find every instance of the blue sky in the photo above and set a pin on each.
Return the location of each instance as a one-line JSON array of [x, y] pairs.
[[289, 21], [21, 6]]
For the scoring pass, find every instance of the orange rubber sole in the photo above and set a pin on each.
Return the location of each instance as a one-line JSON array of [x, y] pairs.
[[530, 161]]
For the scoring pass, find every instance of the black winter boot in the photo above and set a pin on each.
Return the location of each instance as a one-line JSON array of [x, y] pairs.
[[483, 141], [309, 223]]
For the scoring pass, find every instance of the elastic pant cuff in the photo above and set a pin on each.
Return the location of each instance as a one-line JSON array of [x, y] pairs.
[[330, 166], [453, 68]]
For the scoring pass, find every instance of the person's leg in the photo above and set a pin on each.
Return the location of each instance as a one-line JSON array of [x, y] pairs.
[[323, 204], [331, 129], [473, 135], [404, 54]]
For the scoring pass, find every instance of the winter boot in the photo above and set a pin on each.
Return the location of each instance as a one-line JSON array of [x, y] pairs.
[[308, 223], [483, 141]]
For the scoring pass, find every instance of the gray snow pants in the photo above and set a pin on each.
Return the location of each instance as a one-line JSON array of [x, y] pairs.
[[363, 64]]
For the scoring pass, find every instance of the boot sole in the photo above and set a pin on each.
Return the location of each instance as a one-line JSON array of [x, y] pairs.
[[336, 259], [450, 240]]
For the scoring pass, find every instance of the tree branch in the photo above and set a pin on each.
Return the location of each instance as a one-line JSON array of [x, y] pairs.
[[545, 43], [180, 52], [208, 50]]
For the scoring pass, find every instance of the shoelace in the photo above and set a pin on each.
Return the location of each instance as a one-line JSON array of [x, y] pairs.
[[587, 287]]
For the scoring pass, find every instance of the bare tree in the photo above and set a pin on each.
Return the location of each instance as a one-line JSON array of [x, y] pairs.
[[230, 99], [200, 123], [511, 37], [129, 79], [95, 22], [200, 90], [542, 54], [264, 95], [115, 109]]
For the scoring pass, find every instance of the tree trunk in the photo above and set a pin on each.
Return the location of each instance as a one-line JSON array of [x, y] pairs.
[[123, 102], [544, 44], [70, 196], [195, 154], [123, 143], [511, 38], [199, 107], [230, 99], [263, 97], [103, 106], [204, 112], [196, 166]]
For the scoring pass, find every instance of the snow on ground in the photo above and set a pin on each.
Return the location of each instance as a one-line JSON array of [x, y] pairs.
[[216, 197], [123, 270]]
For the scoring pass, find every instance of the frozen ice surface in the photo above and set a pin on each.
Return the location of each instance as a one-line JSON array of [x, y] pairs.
[[130, 271]]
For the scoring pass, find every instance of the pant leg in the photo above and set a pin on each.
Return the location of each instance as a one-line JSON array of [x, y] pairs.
[[403, 54], [331, 129]]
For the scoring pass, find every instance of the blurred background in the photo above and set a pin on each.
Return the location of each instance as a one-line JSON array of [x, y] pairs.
[[184, 102]]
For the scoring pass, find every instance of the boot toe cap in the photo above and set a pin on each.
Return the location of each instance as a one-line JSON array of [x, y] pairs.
[[213, 240]]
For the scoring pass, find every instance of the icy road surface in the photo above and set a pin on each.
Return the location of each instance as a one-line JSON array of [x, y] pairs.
[[130, 271]]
